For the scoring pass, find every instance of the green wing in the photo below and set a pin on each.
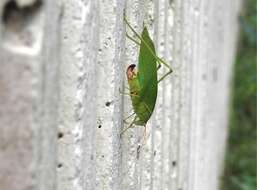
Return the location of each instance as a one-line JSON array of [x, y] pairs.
[[147, 72]]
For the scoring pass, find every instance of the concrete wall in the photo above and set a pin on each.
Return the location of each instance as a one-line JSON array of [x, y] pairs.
[[62, 64]]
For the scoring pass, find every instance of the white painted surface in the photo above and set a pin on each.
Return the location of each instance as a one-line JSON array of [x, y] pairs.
[[64, 82]]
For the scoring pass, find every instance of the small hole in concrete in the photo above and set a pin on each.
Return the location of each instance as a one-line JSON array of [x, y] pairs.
[[138, 151], [108, 104], [60, 135], [99, 126], [59, 165], [174, 163]]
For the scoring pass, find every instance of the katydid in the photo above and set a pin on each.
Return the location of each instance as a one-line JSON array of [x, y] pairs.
[[143, 84]]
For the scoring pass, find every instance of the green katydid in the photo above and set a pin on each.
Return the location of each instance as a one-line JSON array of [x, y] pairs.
[[143, 84]]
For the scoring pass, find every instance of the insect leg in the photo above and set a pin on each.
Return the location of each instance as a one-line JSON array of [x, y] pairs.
[[159, 60], [144, 136], [128, 117], [142, 40], [159, 66], [132, 39], [165, 75], [130, 126], [131, 28], [128, 94], [125, 93], [127, 88], [142, 142], [148, 109]]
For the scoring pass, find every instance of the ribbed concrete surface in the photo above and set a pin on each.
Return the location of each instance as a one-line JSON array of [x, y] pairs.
[[62, 65]]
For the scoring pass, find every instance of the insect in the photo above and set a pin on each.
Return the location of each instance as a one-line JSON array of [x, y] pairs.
[[143, 83]]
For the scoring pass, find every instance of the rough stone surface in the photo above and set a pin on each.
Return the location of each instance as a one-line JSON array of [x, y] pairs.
[[62, 67]]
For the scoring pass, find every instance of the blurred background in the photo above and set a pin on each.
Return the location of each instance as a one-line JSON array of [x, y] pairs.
[[240, 166]]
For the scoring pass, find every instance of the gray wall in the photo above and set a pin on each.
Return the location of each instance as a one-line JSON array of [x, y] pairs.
[[62, 64]]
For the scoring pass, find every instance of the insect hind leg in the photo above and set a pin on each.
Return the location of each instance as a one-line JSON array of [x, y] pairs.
[[165, 75], [130, 126], [143, 138], [126, 118]]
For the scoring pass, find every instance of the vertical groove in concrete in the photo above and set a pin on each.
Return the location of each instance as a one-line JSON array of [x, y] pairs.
[[89, 121], [109, 103], [50, 96], [76, 74]]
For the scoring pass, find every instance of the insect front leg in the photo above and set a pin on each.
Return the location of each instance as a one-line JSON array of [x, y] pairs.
[[131, 28], [128, 93], [132, 39]]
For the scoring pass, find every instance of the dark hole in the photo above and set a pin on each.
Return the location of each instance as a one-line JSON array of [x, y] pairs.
[[99, 126], [60, 135], [138, 151], [174, 163], [59, 165], [12, 11], [102, 156], [108, 104]]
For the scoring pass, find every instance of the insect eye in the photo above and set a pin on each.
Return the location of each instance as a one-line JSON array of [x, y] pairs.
[[131, 67], [131, 73]]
